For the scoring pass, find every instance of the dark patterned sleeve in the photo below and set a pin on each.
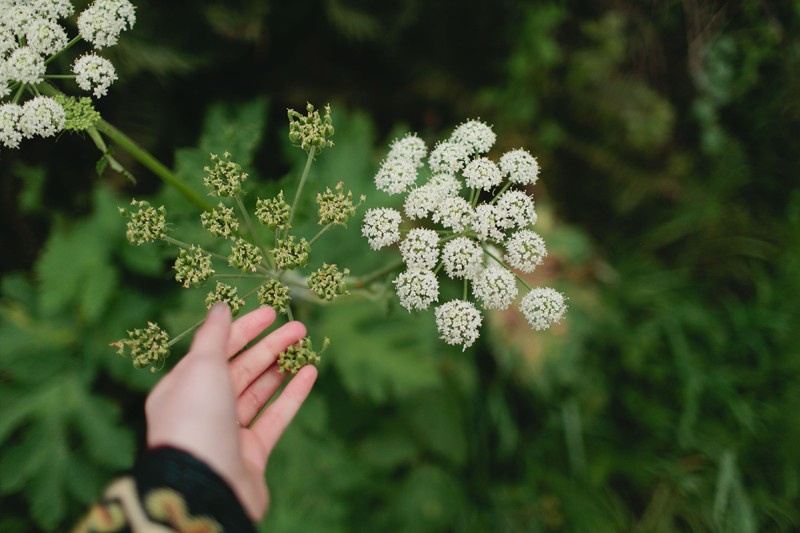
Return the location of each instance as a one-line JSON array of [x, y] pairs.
[[168, 491]]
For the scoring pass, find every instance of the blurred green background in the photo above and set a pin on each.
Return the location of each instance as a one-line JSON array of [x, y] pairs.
[[668, 133]]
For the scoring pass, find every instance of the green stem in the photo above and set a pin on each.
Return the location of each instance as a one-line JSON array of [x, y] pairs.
[[472, 196], [369, 278], [101, 145], [19, 94], [505, 187], [490, 254], [475, 199], [146, 159], [438, 267], [321, 233], [253, 230], [300, 189], [69, 45], [143, 156], [189, 247], [177, 339], [466, 284], [236, 276], [289, 312], [450, 237]]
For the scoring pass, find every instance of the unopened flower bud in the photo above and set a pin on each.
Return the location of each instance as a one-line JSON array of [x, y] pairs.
[[274, 294], [328, 282], [244, 256], [145, 225], [299, 355], [222, 223], [311, 131], [226, 178], [227, 294], [194, 267], [336, 208], [146, 346], [289, 254], [273, 213]]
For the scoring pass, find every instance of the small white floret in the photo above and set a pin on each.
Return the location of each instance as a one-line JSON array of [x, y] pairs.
[[520, 167], [420, 248], [103, 21], [41, 116], [94, 72], [482, 173], [396, 175], [448, 157], [462, 258], [496, 287], [53, 9], [542, 307], [485, 223], [45, 37], [25, 65], [417, 289], [455, 213], [458, 322], [515, 210], [525, 250], [477, 137], [409, 147], [10, 135], [381, 227]]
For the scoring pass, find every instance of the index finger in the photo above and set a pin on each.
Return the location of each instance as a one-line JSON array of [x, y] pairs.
[[247, 328]]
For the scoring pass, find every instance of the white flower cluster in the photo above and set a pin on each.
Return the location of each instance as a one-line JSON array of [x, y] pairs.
[[30, 35], [465, 247]]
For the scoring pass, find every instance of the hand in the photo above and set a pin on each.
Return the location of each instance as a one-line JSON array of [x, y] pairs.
[[197, 405]]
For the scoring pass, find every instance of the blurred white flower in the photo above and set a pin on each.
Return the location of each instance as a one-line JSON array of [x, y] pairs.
[[417, 288], [525, 250], [103, 21], [396, 175], [381, 227], [477, 137], [94, 72], [458, 322], [496, 287], [520, 167], [482, 173], [10, 135], [542, 306], [420, 248]]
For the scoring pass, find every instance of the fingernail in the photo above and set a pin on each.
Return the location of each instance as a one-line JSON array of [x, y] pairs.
[[218, 308]]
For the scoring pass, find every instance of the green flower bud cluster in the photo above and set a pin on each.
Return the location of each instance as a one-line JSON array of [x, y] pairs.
[[194, 267], [273, 213], [227, 294], [299, 355], [274, 294], [145, 225], [244, 255], [337, 208], [290, 255], [80, 114], [328, 282], [220, 223], [145, 346], [311, 131], [226, 178]]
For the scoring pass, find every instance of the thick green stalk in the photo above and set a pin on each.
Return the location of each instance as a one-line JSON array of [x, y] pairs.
[[300, 189], [177, 339], [158, 168], [369, 278]]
